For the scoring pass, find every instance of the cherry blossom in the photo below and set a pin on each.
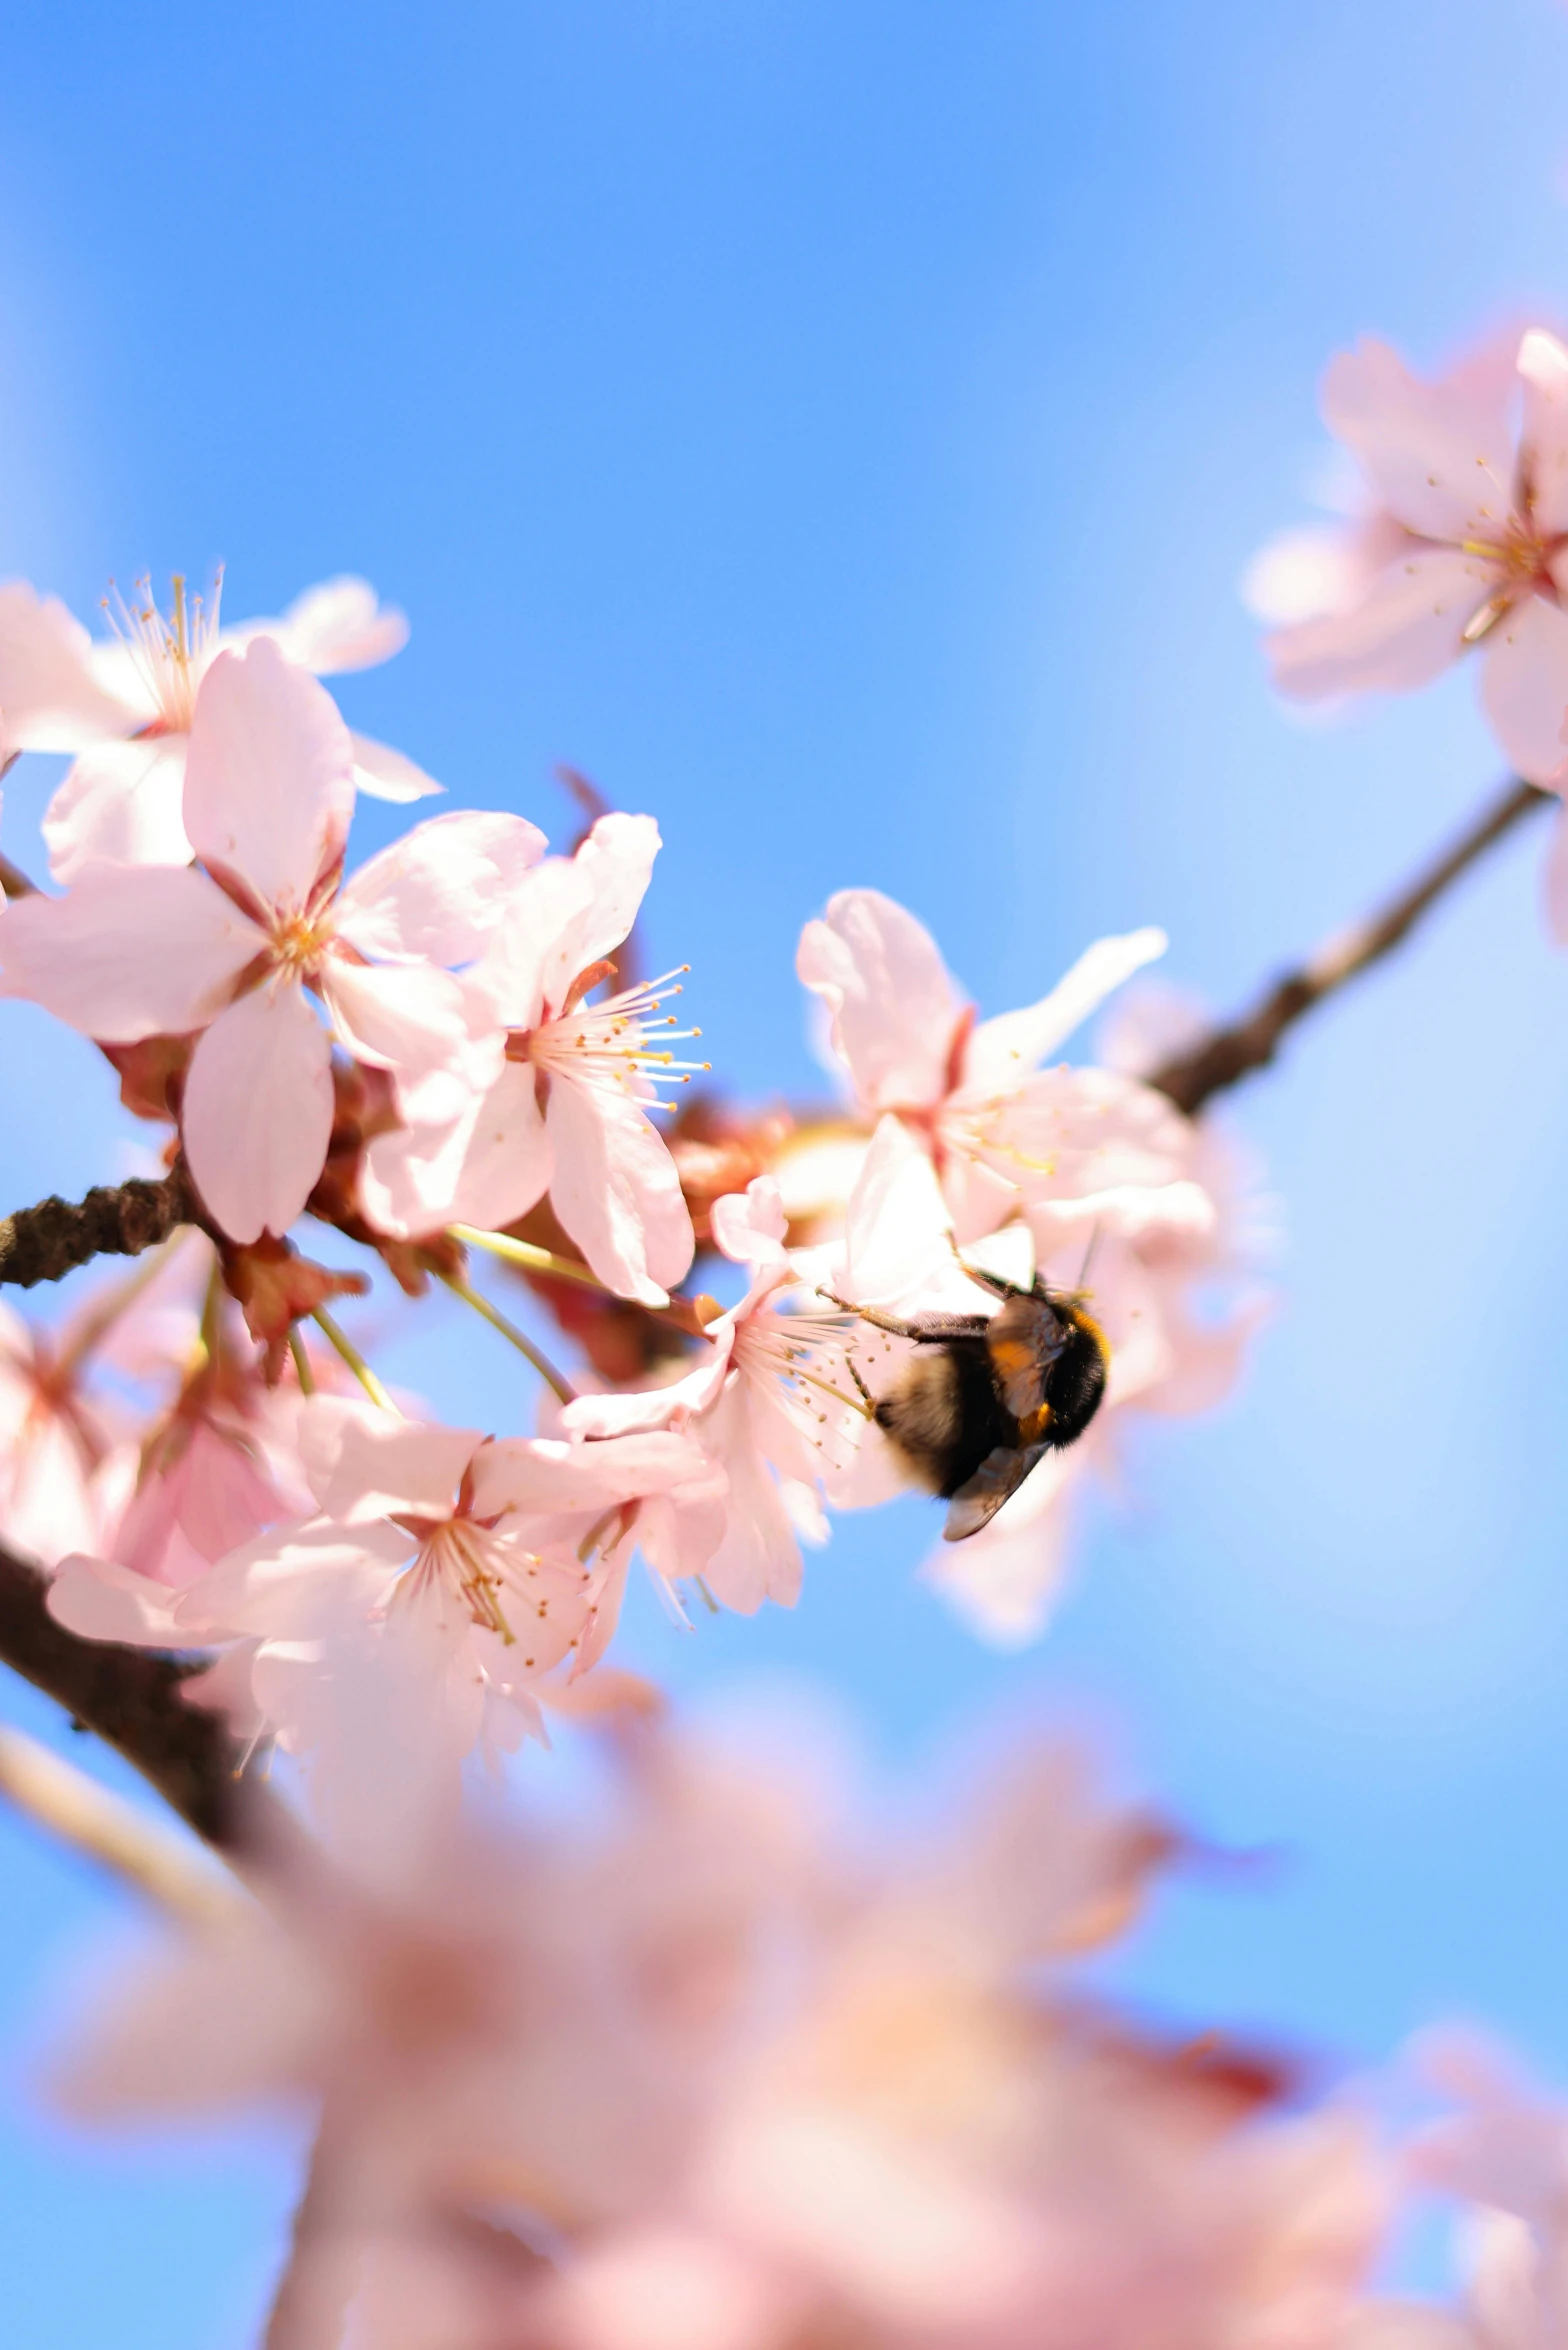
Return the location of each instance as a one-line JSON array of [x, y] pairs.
[[772, 1404], [569, 1112], [229, 947], [447, 1538], [213, 1468], [998, 1126], [1461, 544], [124, 706]]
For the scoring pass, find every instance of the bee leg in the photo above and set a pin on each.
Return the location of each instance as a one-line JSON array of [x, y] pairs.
[[874, 1315], [853, 1368], [983, 1280]]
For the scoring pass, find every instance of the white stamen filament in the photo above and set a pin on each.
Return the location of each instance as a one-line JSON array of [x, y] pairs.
[[620, 1043], [171, 650]]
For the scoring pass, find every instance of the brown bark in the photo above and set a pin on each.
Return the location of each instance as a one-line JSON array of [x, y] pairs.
[[1192, 1078], [114, 1220]]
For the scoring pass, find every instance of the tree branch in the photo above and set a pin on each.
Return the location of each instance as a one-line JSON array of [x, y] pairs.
[[1190, 1079], [134, 1699], [118, 1220]]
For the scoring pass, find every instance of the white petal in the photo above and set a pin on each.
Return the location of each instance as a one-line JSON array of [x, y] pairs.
[[363, 1464], [120, 805], [413, 1020], [131, 951], [1003, 1050], [337, 625], [616, 1190], [1543, 370], [894, 1007], [439, 891], [384, 774], [1524, 686], [51, 699], [486, 1168], [268, 778], [257, 1110]]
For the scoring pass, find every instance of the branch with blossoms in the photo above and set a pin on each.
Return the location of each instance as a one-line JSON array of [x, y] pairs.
[[223, 1536]]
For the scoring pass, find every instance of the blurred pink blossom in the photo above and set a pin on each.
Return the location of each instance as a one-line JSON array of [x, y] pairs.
[[1462, 543]]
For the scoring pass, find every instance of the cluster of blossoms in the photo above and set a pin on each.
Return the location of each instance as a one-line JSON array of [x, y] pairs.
[[697, 2077], [433, 1051], [705, 2075]]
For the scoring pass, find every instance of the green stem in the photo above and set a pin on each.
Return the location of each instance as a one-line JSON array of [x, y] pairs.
[[525, 1346], [532, 1259], [307, 1377], [356, 1362]]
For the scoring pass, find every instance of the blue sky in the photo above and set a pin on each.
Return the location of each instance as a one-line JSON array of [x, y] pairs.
[[840, 429]]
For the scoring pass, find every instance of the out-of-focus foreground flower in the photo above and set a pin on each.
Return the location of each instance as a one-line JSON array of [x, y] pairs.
[[753, 2084]]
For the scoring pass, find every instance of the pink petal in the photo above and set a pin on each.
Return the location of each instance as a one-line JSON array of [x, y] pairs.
[[758, 1556], [120, 805], [363, 1464], [414, 1021], [105, 1601], [339, 624], [1439, 455], [545, 1476], [1407, 629], [1524, 686], [131, 951], [616, 1190], [257, 1112], [617, 859], [486, 1168], [1326, 567], [1002, 1051], [567, 914], [439, 891], [1543, 370], [1554, 880], [749, 1226], [530, 962], [633, 1411], [298, 1582], [51, 700], [896, 1234], [385, 774], [894, 1007], [268, 779]]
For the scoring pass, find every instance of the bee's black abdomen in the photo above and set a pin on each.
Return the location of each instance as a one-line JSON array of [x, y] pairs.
[[945, 1415], [1075, 1386]]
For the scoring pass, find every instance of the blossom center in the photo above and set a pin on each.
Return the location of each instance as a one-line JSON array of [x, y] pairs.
[[621, 1044], [169, 650]]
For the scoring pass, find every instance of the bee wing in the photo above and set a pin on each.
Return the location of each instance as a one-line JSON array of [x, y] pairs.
[[998, 1477], [1024, 1340]]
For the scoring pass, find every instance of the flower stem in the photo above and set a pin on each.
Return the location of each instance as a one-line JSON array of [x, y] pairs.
[[525, 1346], [532, 1259], [306, 1376], [345, 1347]]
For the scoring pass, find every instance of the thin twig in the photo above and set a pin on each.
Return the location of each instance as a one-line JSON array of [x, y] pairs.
[[14, 882], [1192, 1078], [524, 1345], [102, 1825]]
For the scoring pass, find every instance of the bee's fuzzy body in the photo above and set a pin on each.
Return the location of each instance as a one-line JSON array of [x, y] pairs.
[[980, 1400]]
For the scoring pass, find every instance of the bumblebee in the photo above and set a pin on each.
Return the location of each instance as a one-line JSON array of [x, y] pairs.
[[984, 1398]]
